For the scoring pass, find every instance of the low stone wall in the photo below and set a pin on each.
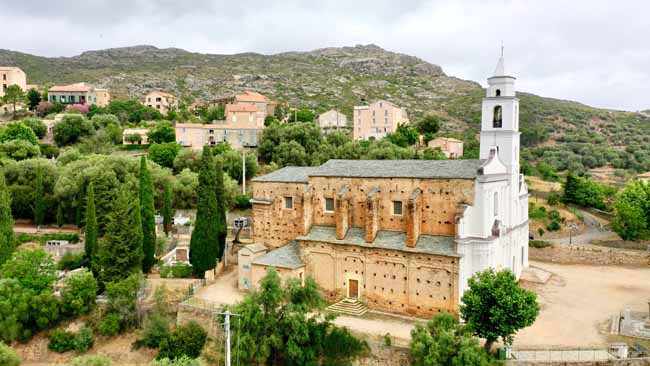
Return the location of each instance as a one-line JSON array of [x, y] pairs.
[[626, 362], [382, 355], [583, 254]]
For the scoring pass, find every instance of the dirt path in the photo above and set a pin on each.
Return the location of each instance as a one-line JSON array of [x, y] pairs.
[[579, 300]]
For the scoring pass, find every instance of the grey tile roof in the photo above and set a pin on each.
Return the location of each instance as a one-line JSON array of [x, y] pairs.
[[256, 247], [430, 244], [288, 174], [463, 169], [287, 256]]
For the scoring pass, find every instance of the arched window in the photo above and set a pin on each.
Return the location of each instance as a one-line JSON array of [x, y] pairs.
[[498, 93], [497, 117]]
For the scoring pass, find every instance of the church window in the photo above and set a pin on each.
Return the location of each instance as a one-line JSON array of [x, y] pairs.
[[496, 203], [498, 93], [397, 208], [329, 204], [288, 202], [497, 117]]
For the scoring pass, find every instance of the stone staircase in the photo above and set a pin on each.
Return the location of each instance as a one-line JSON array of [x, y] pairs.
[[348, 306]]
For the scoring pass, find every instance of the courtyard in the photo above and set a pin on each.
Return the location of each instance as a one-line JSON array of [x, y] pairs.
[[576, 305]]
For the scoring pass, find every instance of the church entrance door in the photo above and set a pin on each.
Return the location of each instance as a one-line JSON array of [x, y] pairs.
[[353, 289]]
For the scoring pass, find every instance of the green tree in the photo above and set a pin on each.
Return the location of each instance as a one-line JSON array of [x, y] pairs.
[[232, 164], [632, 211], [8, 356], [204, 245], [168, 208], [120, 253], [6, 222], [161, 133], [123, 299], [34, 269], [185, 340], [147, 213], [222, 226], [214, 113], [18, 130], [19, 150], [37, 125], [430, 124], [164, 154], [281, 326], [71, 129], [78, 293], [39, 207], [443, 341], [90, 229], [495, 306], [33, 98], [13, 95], [60, 220]]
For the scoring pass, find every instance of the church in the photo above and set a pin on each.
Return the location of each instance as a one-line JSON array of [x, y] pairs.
[[401, 236]]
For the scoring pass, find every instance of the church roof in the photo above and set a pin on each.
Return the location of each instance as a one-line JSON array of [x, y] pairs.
[[441, 169], [288, 174], [429, 244], [500, 69], [287, 256]]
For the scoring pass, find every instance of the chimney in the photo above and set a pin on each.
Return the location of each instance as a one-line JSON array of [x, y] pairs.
[[342, 212], [372, 214], [413, 218]]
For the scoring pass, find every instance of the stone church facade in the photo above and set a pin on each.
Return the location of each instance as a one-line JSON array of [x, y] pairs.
[[401, 235]]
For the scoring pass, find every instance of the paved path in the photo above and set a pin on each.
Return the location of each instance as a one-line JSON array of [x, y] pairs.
[[31, 229], [593, 230]]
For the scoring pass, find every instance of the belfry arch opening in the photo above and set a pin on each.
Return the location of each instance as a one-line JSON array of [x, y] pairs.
[[498, 93], [497, 117]]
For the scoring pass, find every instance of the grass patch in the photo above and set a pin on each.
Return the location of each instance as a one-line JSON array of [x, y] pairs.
[[539, 244], [42, 238]]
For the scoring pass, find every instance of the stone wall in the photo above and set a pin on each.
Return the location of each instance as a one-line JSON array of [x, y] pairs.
[[584, 254], [626, 362], [382, 355], [416, 284], [274, 224]]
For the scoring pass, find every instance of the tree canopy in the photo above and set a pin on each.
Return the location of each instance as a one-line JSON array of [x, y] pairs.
[[204, 243], [18, 131], [147, 212], [71, 129], [162, 132]]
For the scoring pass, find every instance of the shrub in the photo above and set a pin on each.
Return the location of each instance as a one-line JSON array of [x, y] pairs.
[[93, 360], [179, 270], [553, 198], [78, 293], [61, 341], [539, 244], [110, 325], [156, 328], [8, 356], [553, 226], [554, 215], [242, 201], [180, 361], [541, 231], [71, 261], [186, 340], [84, 340]]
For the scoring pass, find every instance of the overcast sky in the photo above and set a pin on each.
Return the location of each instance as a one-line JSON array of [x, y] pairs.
[[592, 51]]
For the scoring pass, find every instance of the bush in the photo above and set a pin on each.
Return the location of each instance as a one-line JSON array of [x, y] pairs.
[[156, 328], [61, 341], [178, 270], [539, 244], [84, 340], [78, 293], [8, 356], [554, 215], [181, 361], [242, 201], [94, 360], [541, 231], [110, 325], [553, 226], [553, 198], [164, 154], [70, 261], [186, 340]]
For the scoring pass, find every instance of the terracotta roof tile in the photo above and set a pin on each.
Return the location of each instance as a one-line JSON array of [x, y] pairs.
[[249, 96], [240, 108]]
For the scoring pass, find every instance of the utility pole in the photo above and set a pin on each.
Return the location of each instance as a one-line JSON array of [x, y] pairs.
[[226, 324], [243, 172]]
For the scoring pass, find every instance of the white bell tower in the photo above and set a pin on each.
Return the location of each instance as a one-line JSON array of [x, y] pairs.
[[500, 119]]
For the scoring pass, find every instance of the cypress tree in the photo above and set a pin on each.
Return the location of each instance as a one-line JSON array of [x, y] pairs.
[[90, 241], [39, 201], [168, 210], [147, 212], [204, 242], [59, 216], [6, 222], [222, 227], [120, 253]]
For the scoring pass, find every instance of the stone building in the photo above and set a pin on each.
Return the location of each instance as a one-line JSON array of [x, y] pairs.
[[452, 148], [161, 101], [262, 104], [403, 235], [10, 75], [376, 120]]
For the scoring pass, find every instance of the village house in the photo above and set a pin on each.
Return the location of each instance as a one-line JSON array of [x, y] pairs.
[[161, 101], [264, 106], [376, 120], [135, 136], [10, 75], [196, 135], [79, 93], [332, 121], [244, 115], [452, 148], [402, 236]]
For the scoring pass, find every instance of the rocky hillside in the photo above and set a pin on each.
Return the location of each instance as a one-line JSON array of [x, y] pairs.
[[556, 131]]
